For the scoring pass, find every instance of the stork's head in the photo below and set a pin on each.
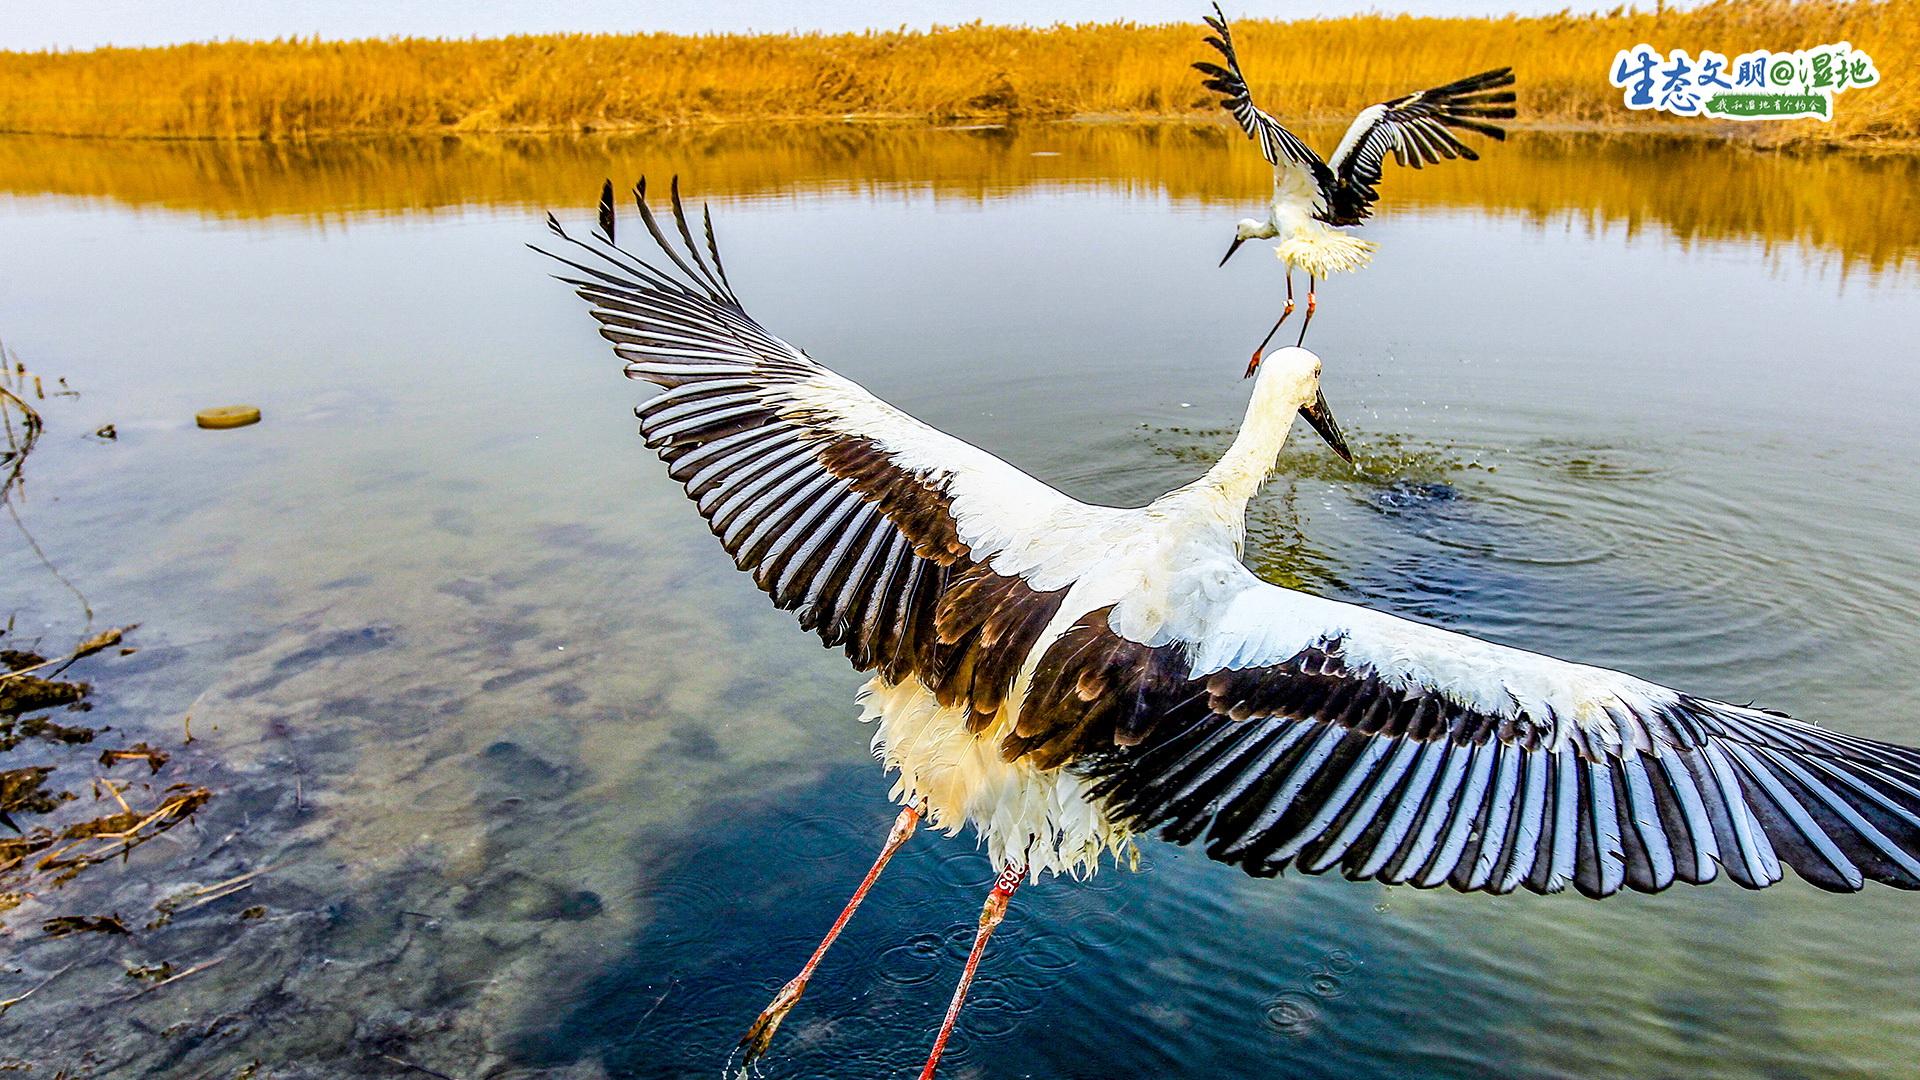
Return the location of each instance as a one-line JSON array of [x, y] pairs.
[[1288, 383], [1247, 229]]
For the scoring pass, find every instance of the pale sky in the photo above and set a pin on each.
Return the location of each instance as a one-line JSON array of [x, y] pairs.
[[82, 24]]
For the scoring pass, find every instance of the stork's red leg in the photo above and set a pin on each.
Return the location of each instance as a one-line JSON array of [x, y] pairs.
[[990, 916], [1254, 363], [754, 1043], [1308, 321]]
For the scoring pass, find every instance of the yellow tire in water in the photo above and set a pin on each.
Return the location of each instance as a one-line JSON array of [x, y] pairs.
[[227, 416]]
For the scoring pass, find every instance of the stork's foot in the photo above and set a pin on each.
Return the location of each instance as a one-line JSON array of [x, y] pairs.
[[1254, 364], [758, 1037]]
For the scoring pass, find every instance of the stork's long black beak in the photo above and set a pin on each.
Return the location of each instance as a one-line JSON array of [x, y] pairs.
[[1231, 248], [1322, 420]]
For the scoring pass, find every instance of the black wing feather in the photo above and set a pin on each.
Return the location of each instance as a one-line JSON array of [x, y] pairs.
[[1415, 130], [864, 550], [1312, 763], [1280, 146]]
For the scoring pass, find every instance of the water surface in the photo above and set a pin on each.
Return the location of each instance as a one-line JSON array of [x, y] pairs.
[[543, 787]]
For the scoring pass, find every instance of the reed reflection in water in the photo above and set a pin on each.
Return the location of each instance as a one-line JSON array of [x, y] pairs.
[[1864, 209]]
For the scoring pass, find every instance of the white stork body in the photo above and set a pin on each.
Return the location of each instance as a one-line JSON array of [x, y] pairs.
[[1063, 676], [1296, 217], [1165, 571], [1309, 243]]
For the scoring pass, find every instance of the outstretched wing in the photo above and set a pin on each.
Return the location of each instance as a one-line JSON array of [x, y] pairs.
[[1414, 130], [1311, 733], [878, 531], [1281, 147]]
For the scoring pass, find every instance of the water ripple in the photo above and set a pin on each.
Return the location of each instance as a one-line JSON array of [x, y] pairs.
[[1293, 1014], [823, 837], [913, 962]]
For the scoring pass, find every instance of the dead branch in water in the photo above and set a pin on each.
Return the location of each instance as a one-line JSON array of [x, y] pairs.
[[23, 426], [20, 420]]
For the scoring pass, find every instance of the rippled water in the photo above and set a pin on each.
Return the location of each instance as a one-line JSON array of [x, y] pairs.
[[542, 787]]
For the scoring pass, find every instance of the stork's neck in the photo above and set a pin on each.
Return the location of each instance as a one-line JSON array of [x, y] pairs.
[[1237, 476]]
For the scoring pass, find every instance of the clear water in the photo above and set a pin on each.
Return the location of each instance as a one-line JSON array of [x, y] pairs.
[[543, 787]]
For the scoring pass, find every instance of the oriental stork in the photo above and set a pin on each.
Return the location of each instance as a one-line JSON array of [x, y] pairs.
[[1313, 200], [1064, 677]]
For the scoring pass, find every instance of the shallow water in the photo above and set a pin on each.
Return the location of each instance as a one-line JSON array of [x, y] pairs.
[[543, 787]]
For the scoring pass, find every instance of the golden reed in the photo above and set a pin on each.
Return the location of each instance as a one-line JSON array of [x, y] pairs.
[[1315, 69]]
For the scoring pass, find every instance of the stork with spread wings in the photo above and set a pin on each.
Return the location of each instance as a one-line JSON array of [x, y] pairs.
[[1315, 200]]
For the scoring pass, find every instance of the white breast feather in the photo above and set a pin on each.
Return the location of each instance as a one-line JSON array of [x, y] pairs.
[[1323, 251], [1041, 818]]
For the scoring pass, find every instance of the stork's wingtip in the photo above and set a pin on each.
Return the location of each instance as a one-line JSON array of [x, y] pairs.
[[679, 210], [606, 210], [553, 226]]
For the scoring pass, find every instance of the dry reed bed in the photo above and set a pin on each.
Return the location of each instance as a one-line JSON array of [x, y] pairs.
[[1309, 68]]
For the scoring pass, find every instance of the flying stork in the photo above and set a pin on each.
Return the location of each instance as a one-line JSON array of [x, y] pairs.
[[1313, 200], [1065, 677]]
